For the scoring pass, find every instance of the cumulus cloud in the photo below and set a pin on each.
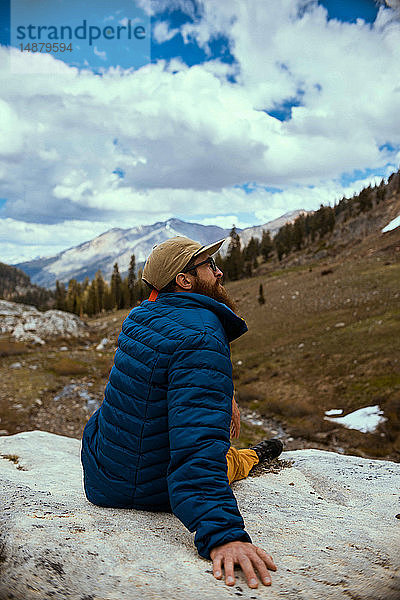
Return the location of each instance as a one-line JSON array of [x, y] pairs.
[[166, 139]]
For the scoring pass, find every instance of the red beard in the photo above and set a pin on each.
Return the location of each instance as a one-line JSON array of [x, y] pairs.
[[214, 290]]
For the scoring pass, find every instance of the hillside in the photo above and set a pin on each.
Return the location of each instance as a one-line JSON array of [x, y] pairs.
[[16, 286], [335, 231], [326, 338]]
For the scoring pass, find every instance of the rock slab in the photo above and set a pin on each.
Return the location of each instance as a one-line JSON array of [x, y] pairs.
[[26, 323], [329, 521]]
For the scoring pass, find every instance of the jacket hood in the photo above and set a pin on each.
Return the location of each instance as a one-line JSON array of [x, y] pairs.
[[234, 325]]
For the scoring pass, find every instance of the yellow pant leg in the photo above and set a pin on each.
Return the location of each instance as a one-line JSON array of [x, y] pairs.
[[240, 463]]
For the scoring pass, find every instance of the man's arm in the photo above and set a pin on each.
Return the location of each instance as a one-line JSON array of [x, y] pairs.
[[199, 413]]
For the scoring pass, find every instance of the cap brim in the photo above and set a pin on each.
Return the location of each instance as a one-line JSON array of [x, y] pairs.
[[210, 249]]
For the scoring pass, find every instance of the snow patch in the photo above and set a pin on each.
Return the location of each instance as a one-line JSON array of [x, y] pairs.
[[392, 225], [365, 419]]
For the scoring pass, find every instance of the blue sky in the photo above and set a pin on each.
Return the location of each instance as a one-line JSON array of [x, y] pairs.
[[224, 111]]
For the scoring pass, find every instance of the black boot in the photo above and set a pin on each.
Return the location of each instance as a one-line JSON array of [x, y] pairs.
[[268, 449]]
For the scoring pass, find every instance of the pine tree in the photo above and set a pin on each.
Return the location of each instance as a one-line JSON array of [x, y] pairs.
[[266, 245], [116, 288], [60, 296], [365, 199], [100, 287], [261, 299], [108, 300], [234, 259], [380, 192], [251, 250], [73, 302], [132, 280], [283, 241], [299, 231], [85, 284], [250, 253], [92, 306], [125, 302]]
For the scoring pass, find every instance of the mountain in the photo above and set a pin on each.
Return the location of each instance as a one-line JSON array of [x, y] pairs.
[[117, 245]]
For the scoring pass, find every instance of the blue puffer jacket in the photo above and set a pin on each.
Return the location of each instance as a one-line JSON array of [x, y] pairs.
[[160, 438]]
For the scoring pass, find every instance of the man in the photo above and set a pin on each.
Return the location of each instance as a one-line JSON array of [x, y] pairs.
[[160, 440]]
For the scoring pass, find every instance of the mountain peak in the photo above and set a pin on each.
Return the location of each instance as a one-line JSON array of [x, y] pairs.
[[118, 245]]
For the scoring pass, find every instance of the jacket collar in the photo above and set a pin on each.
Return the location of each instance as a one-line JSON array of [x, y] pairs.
[[234, 325]]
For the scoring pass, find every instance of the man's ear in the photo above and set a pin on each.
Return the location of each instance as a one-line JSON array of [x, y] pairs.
[[183, 280]]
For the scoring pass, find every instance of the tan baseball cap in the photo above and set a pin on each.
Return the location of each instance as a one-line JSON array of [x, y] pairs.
[[170, 257]]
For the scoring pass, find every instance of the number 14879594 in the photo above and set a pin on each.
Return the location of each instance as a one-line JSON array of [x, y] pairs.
[[46, 47]]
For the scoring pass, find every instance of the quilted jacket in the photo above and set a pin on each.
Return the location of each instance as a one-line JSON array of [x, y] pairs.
[[160, 438]]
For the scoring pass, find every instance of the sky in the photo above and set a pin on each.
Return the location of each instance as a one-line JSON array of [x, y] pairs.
[[129, 112]]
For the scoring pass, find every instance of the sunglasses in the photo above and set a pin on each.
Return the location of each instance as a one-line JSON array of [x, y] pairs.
[[210, 261]]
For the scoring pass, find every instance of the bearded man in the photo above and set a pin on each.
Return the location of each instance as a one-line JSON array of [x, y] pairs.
[[161, 439]]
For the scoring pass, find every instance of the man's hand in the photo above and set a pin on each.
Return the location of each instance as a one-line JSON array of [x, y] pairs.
[[235, 421], [248, 557]]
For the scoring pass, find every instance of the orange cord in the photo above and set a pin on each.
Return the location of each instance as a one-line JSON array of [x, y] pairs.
[[153, 295]]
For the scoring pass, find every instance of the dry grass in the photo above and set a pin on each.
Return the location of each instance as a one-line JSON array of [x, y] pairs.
[[12, 457], [9, 348], [285, 407], [68, 366]]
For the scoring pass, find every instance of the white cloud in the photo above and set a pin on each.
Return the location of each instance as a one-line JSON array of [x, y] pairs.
[[185, 137], [101, 53], [25, 241], [162, 32], [225, 221]]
